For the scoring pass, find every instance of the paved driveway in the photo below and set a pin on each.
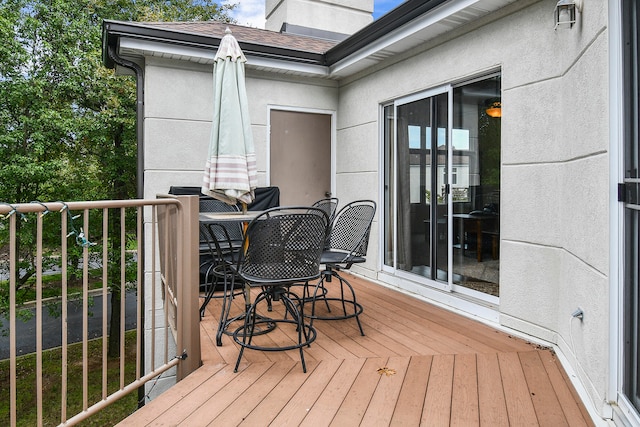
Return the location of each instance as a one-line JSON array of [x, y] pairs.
[[51, 326]]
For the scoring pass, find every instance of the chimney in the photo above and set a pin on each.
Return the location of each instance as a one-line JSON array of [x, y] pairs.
[[329, 19]]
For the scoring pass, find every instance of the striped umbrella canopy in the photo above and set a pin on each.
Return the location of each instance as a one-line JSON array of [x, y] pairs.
[[230, 169]]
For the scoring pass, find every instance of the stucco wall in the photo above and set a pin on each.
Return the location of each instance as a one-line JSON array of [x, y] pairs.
[[179, 108], [554, 195]]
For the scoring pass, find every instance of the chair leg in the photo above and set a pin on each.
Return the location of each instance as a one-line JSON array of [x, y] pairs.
[[357, 308], [352, 302], [247, 329], [245, 334], [227, 298], [209, 289], [290, 306], [306, 333], [323, 291]]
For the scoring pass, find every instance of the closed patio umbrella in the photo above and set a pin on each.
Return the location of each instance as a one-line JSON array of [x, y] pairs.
[[230, 170]]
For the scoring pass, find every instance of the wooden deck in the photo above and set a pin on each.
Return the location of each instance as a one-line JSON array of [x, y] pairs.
[[417, 365]]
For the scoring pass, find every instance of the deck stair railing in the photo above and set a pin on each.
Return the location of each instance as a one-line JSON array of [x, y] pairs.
[[160, 254]]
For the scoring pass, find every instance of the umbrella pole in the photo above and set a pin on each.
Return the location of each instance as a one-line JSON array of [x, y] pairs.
[[244, 207]]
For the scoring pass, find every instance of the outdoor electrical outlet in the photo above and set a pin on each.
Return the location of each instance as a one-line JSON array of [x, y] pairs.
[[578, 313]]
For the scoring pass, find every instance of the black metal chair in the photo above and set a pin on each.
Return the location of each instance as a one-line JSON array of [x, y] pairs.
[[218, 245], [220, 284], [329, 206], [348, 241], [283, 247]]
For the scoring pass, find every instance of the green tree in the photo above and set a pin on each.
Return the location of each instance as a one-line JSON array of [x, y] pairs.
[[67, 124]]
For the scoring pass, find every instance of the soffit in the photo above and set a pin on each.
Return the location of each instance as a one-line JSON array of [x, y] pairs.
[[132, 48], [440, 20]]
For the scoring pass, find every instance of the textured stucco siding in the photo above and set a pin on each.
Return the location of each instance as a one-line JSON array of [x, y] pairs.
[[555, 165], [178, 112]]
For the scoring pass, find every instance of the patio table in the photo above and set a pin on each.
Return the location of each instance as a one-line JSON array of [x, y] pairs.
[[223, 217]]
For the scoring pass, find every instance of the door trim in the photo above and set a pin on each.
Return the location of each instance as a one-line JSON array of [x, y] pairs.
[[332, 113], [616, 226]]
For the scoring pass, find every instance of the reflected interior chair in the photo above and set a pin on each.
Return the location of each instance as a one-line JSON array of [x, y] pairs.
[[283, 248], [348, 241], [218, 245]]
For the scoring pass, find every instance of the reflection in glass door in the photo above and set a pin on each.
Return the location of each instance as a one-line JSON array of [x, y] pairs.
[[421, 186], [476, 146]]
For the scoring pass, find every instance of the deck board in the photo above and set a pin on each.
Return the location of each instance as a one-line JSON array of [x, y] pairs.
[[567, 396], [442, 369], [545, 402], [464, 398], [356, 402], [326, 406], [437, 404], [519, 406], [299, 405], [236, 411], [491, 400], [382, 404], [269, 407], [408, 408]]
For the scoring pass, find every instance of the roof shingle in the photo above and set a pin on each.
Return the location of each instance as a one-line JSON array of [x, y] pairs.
[[248, 35]]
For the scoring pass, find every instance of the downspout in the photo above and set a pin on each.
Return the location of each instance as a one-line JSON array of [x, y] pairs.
[[139, 183], [139, 115]]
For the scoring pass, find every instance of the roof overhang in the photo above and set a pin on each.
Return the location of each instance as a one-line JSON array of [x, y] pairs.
[[131, 48], [408, 26]]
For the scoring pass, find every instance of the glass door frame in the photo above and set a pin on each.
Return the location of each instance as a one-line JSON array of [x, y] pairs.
[[448, 285], [625, 302]]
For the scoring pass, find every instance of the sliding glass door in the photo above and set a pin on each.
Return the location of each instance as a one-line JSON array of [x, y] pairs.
[[421, 182], [442, 185]]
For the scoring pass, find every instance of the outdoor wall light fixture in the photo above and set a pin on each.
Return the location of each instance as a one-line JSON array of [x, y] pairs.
[[494, 108], [565, 13]]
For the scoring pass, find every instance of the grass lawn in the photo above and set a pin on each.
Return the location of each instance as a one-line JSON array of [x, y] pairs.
[[52, 385]]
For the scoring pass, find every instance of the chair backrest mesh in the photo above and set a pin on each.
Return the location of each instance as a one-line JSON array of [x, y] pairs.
[[329, 206], [233, 229], [351, 228], [285, 245]]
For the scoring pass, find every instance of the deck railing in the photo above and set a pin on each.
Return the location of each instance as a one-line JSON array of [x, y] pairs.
[[154, 258]]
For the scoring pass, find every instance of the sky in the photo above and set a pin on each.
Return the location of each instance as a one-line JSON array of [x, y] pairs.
[[251, 12]]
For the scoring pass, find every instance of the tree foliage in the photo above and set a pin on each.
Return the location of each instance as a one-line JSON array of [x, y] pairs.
[[67, 124]]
